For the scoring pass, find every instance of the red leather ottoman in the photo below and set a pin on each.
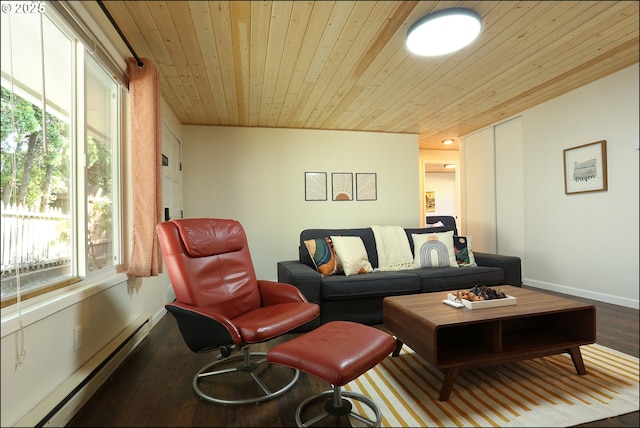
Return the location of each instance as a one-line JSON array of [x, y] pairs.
[[337, 352]]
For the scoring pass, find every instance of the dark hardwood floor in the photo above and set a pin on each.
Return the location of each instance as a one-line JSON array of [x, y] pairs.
[[153, 388]]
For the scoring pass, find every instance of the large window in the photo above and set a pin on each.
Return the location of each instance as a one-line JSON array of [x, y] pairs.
[[60, 159]]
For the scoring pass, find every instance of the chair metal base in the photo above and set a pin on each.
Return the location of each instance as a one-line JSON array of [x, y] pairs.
[[245, 366], [337, 406]]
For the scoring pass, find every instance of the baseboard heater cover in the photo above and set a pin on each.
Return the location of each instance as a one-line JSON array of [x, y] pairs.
[[79, 388]]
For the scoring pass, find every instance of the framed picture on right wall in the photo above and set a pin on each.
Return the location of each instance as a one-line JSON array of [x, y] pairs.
[[585, 168]]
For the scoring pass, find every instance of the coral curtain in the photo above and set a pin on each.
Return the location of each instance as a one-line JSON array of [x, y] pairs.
[[146, 168]]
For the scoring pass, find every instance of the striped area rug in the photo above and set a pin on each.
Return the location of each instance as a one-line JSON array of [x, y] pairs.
[[539, 392]]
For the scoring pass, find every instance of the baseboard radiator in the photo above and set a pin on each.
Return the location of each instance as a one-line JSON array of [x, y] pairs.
[[60, 407]]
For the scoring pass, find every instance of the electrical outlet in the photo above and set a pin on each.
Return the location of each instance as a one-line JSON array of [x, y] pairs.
[[77, 337]]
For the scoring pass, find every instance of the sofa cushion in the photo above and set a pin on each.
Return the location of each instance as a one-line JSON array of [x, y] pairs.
[[322, 255], [464, 252], [351, 255], [340, 287], [458, 278], [434, 250]]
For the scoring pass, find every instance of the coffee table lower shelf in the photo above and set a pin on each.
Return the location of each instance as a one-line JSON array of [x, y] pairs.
[[452, 370]]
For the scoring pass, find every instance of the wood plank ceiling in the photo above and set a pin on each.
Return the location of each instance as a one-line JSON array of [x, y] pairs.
[[343, 65]]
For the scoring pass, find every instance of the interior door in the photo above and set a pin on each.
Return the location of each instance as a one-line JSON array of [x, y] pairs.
[[171, 187], [171, 175]]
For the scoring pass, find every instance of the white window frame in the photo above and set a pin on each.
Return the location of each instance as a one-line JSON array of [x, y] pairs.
[[43, 304]]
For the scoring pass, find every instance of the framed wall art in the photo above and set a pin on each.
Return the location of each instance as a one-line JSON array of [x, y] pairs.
[[585, 168], [315, 186], [430, 202], [366, 186], [342, 186]]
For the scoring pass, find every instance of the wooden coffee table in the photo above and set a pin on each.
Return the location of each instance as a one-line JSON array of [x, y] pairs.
[[458, 339]]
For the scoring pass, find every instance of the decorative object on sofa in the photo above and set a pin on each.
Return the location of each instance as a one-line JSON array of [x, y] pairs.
[[315, 186], [434, 250], [394, 251], [443, 31], [351, 350], [323, 255], [351, 255], [366, 186], [221, 305], [342, 186], [464, 252], [585, 168], [430, 202]]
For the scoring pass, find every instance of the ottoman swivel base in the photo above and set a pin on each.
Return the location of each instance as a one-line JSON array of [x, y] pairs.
[[337, 352], [336, 406]]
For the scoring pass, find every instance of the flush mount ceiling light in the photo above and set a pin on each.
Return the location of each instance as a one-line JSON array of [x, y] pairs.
[[449, 165], [444, 31], [449, 141]]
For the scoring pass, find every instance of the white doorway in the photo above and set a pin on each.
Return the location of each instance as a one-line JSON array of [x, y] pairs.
[[441, 194]]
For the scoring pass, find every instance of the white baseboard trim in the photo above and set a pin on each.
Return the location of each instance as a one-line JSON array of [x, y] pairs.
[[60, 406], [155, 318], [600, 297]]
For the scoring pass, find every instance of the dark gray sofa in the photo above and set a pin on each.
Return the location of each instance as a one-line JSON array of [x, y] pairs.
[[359, 297]]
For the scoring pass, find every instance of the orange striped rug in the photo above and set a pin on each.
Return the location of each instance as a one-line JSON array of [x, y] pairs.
[[545, 392]]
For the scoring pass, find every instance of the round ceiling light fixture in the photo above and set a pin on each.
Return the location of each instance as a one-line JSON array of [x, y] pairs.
[[444, 31]]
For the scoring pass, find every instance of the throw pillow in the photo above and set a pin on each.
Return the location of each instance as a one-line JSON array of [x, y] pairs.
[[434, 250], [351, 254], [322, 254], [464, 254]]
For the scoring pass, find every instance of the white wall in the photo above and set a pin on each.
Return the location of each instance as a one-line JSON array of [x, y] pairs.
[[585, 244], [256, 176], [509, 184], [580, 244]]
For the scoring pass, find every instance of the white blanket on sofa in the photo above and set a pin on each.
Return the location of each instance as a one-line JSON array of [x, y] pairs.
[[394, 252]]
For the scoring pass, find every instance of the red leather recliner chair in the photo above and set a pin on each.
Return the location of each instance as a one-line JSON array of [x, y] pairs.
[[221, 305]]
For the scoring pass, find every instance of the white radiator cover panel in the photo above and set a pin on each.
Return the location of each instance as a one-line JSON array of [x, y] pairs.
[[60, 406]]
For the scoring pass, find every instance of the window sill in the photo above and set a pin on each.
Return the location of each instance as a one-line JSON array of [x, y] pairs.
[[41, 307]]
